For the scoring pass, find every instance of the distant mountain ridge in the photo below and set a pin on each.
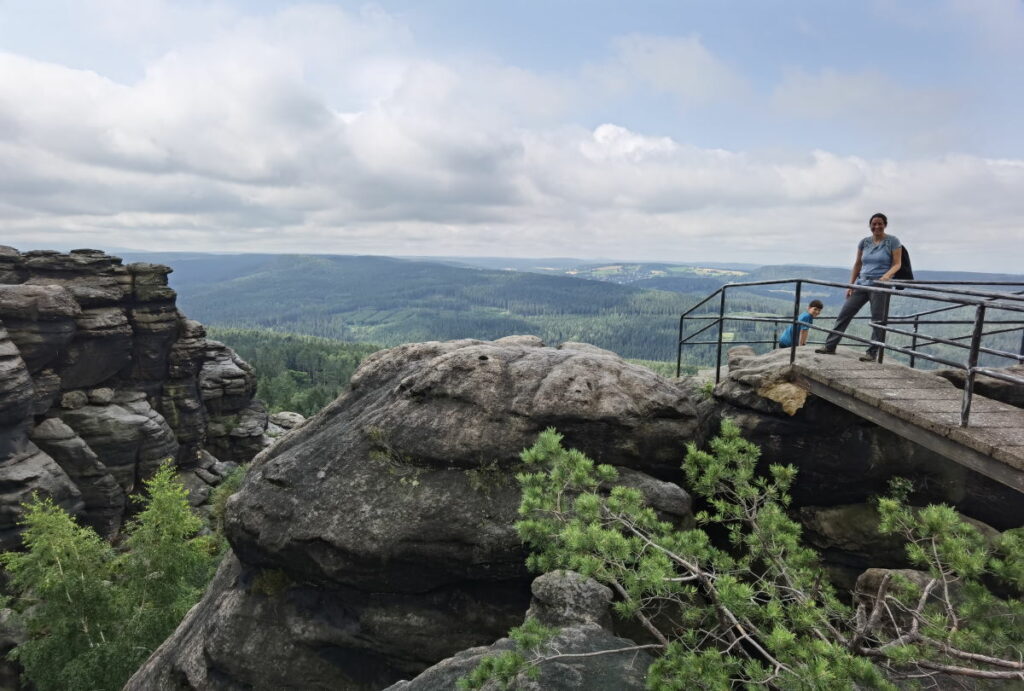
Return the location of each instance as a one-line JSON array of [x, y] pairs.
[[630, 308]]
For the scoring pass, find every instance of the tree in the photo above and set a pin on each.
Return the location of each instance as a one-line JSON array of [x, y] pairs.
[[93, 615], [760, 611]]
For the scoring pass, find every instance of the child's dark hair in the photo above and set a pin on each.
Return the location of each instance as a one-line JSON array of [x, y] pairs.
[[816, 303]]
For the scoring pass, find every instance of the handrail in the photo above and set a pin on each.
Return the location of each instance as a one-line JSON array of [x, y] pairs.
[[953, 293]]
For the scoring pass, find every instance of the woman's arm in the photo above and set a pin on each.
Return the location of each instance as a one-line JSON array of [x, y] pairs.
[[897, 261], [856, 271]]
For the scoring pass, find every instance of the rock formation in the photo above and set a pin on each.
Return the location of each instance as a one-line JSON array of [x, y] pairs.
[[101, 379], [374, 542], [580, 609], [377, 538]]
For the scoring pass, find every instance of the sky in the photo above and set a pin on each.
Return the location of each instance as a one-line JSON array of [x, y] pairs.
[[760, 131]]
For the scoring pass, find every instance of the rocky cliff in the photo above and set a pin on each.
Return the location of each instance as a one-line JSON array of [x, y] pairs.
[[101, 379], [376, 538]]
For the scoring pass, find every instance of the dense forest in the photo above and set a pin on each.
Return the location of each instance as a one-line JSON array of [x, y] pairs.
[[632, 309], [296, 372], [390, 301]]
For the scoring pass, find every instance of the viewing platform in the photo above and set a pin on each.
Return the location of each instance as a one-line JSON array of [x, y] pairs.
[[922, 407], [973, 329]]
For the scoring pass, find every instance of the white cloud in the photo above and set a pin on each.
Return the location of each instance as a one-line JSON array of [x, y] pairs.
[[311, 129]]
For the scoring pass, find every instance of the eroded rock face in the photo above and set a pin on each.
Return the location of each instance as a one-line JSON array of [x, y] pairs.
[[100, 382], [377, 538]]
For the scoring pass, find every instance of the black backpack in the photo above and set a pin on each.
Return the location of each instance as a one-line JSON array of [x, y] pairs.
[[906, 272]]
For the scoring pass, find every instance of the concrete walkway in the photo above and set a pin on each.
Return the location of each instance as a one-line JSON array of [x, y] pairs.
[[921, 407]]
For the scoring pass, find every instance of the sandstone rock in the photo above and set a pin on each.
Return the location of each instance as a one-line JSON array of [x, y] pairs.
[[93, 277], [227, 383], [238, 437], [759, 383], [12, 268], [101, 396], [287, 420], [149, 282], [182, 408], [565, 598], [154, 328], [671, 501], [47, 387], [40, 321], [101, 348], [198, 489], [23, 474], [388, 517], [258, 628], [110, 337], [578, 606], [129, 437], [848, 536], [16, 391], [12, 634], [73, 400], [188, 351], [104, 500]]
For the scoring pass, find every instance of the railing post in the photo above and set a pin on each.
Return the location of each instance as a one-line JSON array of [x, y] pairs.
[[972, 363], [679, 348], [885, 333], [721, 324], [913, 344], [793, 326]]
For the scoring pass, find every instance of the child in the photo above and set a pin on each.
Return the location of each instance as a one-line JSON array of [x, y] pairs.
[[813, 310]]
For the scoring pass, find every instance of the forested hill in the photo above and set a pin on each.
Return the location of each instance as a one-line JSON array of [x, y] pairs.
[[630, 308], [389, 301]]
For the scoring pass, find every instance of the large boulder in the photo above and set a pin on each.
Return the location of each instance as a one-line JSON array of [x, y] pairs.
[[377, 538]]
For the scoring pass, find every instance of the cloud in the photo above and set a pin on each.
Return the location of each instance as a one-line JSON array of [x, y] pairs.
[[679, 66], [872, 102], [313, 129]]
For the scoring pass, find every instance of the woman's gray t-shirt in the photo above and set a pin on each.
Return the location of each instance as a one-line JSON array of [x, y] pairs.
[[876, 259]]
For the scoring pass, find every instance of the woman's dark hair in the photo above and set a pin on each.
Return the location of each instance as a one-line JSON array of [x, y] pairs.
[[881, 216]]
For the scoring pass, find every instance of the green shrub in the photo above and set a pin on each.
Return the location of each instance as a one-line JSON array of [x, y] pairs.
[[760, 612], [93, 615]]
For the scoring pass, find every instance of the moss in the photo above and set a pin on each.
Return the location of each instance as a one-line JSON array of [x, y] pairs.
[[220, 495], [270, 582]]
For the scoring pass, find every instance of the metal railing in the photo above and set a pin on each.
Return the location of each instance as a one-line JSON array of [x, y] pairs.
[[952, 295]]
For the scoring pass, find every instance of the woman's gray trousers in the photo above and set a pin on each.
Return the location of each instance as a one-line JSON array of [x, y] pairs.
[[849, 310]]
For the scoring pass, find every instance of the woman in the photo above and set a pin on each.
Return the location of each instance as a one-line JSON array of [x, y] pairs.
[[878, 259]]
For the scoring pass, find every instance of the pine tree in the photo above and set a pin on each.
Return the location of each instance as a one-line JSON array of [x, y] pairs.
[[760, 611], [93, 616]]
